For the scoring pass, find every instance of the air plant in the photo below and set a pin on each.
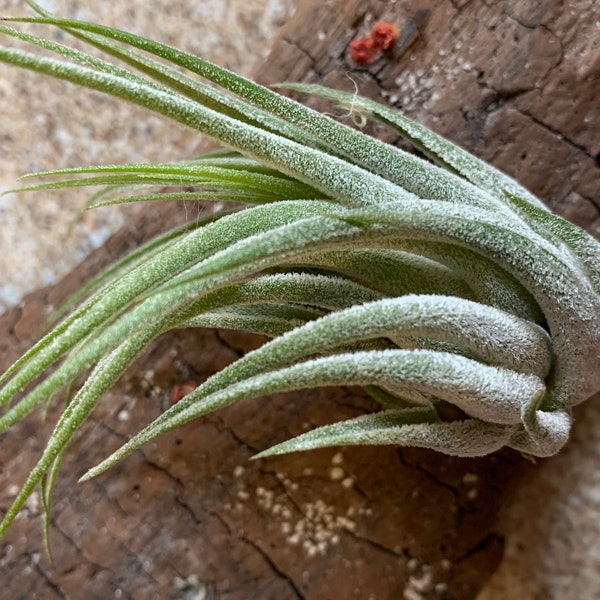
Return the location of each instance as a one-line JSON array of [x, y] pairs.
[[429, 281]]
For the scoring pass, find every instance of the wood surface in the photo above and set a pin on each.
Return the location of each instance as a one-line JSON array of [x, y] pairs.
[[190, 516]]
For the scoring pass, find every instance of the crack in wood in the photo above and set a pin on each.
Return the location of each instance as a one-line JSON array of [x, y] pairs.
[[275, 568]]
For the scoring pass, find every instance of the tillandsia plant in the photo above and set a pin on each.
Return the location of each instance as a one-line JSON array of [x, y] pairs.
[[434, 282]]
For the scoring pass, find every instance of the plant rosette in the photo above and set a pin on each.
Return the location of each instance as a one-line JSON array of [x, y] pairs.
[[431, 282]]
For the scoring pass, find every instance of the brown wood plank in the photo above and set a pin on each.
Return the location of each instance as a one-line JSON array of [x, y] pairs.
[[514, 82]]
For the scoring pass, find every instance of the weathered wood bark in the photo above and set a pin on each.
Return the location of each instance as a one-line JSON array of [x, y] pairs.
[[190, 516]]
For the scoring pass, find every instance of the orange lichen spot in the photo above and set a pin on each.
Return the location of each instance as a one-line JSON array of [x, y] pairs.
[[181, 390], [363, 50], [368, 49], [384, 34]]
